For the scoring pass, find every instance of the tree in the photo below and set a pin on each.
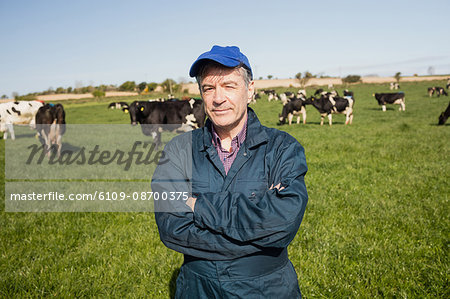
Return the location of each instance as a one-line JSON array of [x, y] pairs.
[[60, 90], [397, 76], [128, 86], [69, 89], [4, 96], [269, 77], [168, 85], [142, 86], [152, 86], [304, 79]]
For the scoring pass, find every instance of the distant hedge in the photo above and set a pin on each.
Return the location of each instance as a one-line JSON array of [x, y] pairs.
[[351, 79]]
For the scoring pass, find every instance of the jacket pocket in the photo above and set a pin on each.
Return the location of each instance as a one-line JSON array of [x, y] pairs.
[[252, 188]]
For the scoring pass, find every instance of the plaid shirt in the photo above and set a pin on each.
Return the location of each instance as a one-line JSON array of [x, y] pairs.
[[227, 157]]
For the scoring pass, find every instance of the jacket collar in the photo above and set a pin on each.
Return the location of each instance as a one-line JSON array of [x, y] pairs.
[[256, 133]]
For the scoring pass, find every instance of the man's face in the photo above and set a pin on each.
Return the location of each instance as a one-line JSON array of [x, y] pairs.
[[226, 96]]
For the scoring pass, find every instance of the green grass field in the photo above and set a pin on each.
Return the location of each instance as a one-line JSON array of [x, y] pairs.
[[376, 225]]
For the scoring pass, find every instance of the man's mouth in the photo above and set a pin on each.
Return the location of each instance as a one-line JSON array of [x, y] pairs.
[[221, 110]]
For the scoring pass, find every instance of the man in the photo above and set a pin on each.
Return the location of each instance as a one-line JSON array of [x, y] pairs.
[[248, 193]]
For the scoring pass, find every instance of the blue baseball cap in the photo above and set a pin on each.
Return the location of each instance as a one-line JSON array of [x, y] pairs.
[[226, 56]]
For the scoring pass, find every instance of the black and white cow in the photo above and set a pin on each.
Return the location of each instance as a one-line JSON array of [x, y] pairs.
[[118, 105], [328, 105], [444, 116], [271, 94], [17, 113], [286, 96], [51, 125], [318, 92], [394, 85], [440, 91], [431, 91], [293, 107], [301, 93], [188, 115], [391, 98]]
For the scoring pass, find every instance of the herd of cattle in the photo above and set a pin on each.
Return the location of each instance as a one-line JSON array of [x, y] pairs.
[[188, 114], [48, 120]]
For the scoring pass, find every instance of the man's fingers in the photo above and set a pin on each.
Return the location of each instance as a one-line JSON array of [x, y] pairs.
[[276, 187]]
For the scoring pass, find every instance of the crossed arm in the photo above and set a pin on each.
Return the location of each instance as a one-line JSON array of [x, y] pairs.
[[224, 225]]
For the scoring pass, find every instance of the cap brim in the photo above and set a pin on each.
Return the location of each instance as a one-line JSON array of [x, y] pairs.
[[228, 62]]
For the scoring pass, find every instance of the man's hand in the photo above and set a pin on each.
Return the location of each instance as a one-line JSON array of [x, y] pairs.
[[191, 202], [276, 187]]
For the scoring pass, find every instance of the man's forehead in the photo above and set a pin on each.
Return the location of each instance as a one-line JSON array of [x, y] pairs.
[[220, 74]]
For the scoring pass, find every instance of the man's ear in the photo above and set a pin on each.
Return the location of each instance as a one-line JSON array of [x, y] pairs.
[[250, 91]]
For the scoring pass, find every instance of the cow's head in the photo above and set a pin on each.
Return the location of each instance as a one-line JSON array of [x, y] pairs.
[[133, 110]]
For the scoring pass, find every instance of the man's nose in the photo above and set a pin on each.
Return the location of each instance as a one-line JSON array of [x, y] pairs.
[[219, 96]]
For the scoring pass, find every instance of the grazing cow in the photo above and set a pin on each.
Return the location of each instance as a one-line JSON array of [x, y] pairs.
[[51, 125], [287, 96], [17, 113], [328, 105], [293, 107], [444, 115], [272, 95], [391, 98], [256, 96], [394, 85], [301, 93], [431, 91], [438, 90], [188, 115], [318, 92], [118, 105]]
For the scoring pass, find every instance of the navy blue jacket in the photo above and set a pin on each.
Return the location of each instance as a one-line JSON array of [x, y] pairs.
[[236, 217]]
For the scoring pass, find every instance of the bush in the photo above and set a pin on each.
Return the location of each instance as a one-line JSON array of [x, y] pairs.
[[152, 86], [26, 98], [142, 86], [352, 79], [128, 86], [98, 93]]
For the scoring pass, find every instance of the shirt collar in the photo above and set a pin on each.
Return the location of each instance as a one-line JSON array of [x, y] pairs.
[[240, 137]]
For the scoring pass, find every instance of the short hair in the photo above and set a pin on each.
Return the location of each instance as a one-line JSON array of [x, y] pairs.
[[243, 70]]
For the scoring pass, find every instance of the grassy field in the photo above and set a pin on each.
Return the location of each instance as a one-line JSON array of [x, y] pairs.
[[377, 222]]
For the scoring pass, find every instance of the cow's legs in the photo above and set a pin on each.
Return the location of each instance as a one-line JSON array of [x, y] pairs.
[[330, 119], [290, 117], [59, 145], [298, 119], [156, 135], [10, 129], [304, 115], [383, 107], [402, 105]]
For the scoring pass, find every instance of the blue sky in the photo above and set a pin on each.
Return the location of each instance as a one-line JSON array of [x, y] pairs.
[[53, 43]]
